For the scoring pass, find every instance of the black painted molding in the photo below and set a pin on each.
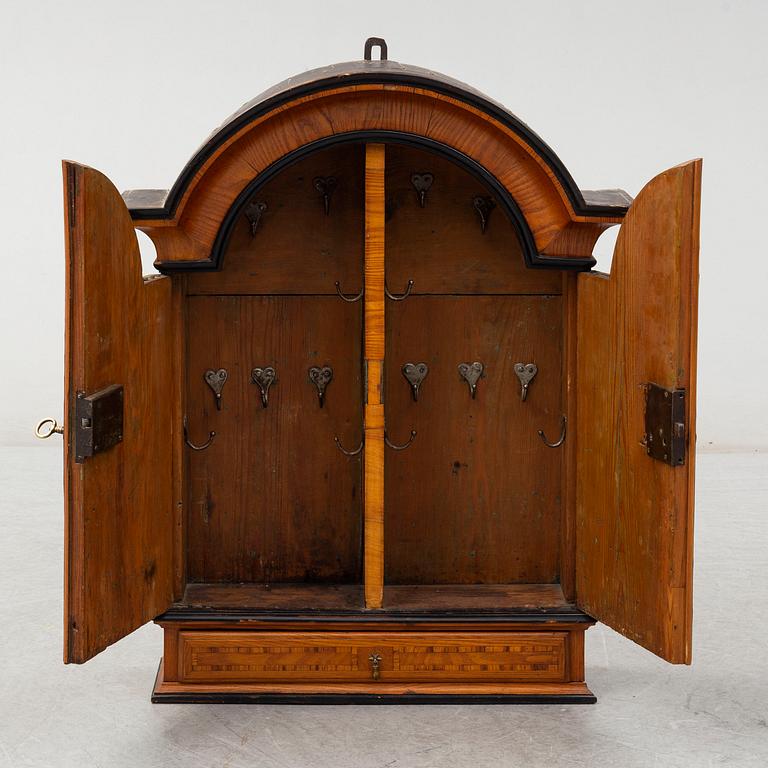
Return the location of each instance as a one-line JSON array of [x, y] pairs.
[[162, 204]]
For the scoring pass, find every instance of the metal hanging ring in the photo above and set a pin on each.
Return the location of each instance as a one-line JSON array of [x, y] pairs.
[[402, 295], [194, 447], [350, 299], [378, 42], [560, 441], [44, 434], [345, 451], [399, 447]]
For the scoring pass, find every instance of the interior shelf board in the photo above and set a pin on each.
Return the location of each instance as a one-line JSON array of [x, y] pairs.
[[474, 597], [405, 598], [274, 597]]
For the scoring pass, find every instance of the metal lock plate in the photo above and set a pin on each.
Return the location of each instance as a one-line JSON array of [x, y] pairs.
[[98, 421], [665, 428]]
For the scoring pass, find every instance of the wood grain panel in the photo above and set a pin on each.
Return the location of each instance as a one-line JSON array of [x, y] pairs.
[[374, 359], [272, 499], [340, 656], [476, 497], [120, 505], [441, 246], [297, 248], [635, 514]]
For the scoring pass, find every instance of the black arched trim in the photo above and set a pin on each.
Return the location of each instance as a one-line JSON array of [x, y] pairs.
[[506, 202], [157, 204]]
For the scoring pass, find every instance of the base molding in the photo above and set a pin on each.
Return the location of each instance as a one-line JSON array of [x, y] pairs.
[[433, 693]]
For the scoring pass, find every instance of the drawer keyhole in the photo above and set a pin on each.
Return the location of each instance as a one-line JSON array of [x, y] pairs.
[[375, 660]]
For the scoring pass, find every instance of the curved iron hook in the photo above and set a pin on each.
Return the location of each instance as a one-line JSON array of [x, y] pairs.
[[560, 441], [345, 451], [194, 447], [350, 299], [399, 447], [402, 295]]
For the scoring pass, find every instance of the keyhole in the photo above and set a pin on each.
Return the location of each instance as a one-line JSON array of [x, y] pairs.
[[375, 660]]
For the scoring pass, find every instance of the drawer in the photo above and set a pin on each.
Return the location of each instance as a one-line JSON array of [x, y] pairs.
[[247, 656]]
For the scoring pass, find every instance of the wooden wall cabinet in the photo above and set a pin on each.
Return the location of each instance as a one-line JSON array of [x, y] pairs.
[[372, 510]]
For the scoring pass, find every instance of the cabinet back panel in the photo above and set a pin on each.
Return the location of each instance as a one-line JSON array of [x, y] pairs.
[[441, 246], [475, 499], [272, 499], [297, 248]]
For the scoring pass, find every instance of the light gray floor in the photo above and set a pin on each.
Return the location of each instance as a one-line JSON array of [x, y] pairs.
[[649, 714]]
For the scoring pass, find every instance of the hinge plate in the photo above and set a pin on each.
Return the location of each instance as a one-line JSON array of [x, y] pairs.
[[665, 427], [98, 421]]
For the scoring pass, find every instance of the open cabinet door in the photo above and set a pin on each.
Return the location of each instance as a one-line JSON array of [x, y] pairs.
[[635, 442], [120, 401]]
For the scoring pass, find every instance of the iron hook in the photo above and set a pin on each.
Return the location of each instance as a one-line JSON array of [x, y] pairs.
[[471, 373], [345, 451], [400, 447], [421, 183], [483, 207], [263, 378], [350, 299], [560, 441], [253, 212], [325, 186], [402, 295], [321, 378], [526, 372], [414, 374], [216, 381], [194, 447]]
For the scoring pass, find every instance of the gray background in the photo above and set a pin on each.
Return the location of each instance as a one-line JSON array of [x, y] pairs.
[[620, 90]]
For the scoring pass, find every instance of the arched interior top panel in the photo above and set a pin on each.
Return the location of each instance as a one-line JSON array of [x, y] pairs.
[[488, 182], [284, 237]]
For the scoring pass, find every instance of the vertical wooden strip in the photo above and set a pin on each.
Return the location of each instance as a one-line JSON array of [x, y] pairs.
[[180, 485], [374, 358], [576, 656], [170, 653], [690, 322], [73, 374], [568, 524]]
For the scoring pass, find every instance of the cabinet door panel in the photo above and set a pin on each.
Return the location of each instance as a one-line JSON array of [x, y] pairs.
[[272, 499], [634, 516], [475, 499], [120, 503]]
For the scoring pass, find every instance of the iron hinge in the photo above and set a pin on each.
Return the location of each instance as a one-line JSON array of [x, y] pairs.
[[98, 421], [665, 427]]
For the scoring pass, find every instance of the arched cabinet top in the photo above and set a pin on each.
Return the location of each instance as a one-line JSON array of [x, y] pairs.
[[377, 98]]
